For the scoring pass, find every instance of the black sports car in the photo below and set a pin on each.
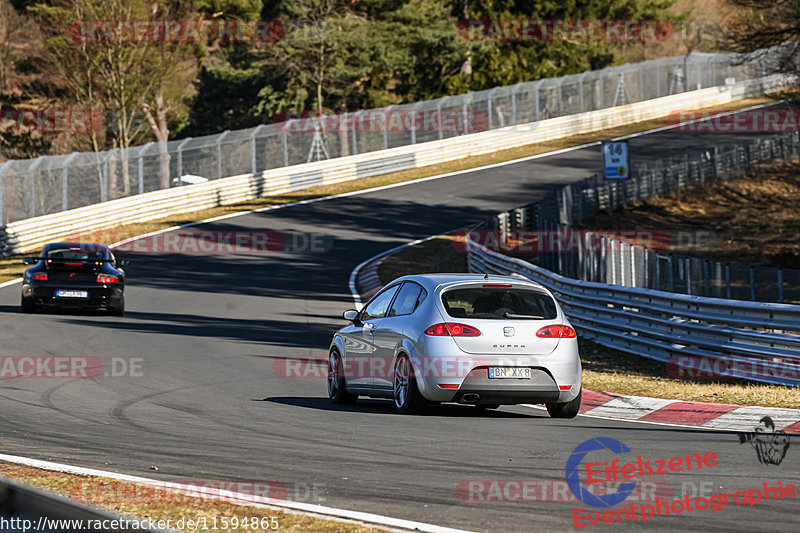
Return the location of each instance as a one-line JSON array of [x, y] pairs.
[[74, 275]]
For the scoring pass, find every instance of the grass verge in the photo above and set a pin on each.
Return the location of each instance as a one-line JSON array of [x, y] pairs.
[[129, 500], [604, 368], [11, 267]]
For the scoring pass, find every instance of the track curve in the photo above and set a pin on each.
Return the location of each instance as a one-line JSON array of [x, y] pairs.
[[207, 330]]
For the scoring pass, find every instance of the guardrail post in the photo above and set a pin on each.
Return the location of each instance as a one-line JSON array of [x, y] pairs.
[[490, 108], [780, 285], [386, 116], [32, 185], [253, 148], [219, 152], [728, 281], [439, 115], [64, 178], [559, 94], [671, 273], [106, 177], [580, 89], [658, 82], [141, 165], [687, 266], [2, 169], [641, 83], [514, 90], [414, 122], [180, 159], [708, 281], [752, 283], [286, 143]]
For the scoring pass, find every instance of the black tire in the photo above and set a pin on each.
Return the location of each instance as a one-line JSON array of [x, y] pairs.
[[337, 386], [407, 398], [565, 409], [118, 310], [27, 305]]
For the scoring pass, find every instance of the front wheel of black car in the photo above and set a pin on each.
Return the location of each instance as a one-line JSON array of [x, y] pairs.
[[565, 409], [27, 305]]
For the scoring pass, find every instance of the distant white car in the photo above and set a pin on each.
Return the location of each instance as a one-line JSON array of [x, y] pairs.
[[188, 179], [465, 338]]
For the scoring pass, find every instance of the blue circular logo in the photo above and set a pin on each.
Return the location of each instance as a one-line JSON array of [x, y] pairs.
[[574, 483]]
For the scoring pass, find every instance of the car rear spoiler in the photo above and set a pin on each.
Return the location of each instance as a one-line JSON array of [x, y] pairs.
[[32, 260]]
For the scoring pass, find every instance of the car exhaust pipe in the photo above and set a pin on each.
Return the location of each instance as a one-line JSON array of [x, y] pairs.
[[471, 397]]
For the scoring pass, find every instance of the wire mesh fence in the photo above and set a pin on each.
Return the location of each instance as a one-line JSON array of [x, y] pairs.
[[50, 184], [640, 258]]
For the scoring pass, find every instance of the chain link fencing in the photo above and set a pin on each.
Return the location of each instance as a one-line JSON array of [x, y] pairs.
[[611, 258], [50, 184]]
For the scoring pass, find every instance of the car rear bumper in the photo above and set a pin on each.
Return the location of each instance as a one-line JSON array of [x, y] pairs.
[[100, 297], [555, 377]]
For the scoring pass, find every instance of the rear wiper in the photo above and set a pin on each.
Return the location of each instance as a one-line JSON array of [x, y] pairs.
[[533, 317]]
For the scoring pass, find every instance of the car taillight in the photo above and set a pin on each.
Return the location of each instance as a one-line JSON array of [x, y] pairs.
[[556, 331], [107, 279], [453, 329], [39, 276]]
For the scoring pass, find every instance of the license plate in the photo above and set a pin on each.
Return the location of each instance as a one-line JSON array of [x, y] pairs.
[[68, 293], [509, 372]]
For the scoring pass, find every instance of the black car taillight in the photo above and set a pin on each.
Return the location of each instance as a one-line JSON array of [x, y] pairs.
[[39, 276], [104, 278]]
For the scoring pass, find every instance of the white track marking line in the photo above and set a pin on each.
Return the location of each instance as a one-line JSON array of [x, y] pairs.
[[240, 498]]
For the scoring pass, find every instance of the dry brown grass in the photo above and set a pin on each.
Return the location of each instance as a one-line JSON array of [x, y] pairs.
[[754, 220], [130, 503]]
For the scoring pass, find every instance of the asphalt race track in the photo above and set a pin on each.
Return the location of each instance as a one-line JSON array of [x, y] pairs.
[[207, 399]]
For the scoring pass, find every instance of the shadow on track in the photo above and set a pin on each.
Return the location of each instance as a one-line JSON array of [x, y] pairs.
[[387, 407], [257, 330]]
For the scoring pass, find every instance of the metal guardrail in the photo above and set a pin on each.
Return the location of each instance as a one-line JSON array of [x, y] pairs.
[[50, 184], [749, 340], [24, 508], [28, 234]]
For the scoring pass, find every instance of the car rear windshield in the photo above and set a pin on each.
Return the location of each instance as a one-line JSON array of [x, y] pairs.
[[81, 253], [499, 303]]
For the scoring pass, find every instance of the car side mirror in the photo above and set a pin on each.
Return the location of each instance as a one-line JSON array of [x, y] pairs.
[[351, 315], [123, 263], [29, 261]]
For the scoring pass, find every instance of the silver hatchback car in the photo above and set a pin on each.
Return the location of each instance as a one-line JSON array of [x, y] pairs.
[[465, 338]]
